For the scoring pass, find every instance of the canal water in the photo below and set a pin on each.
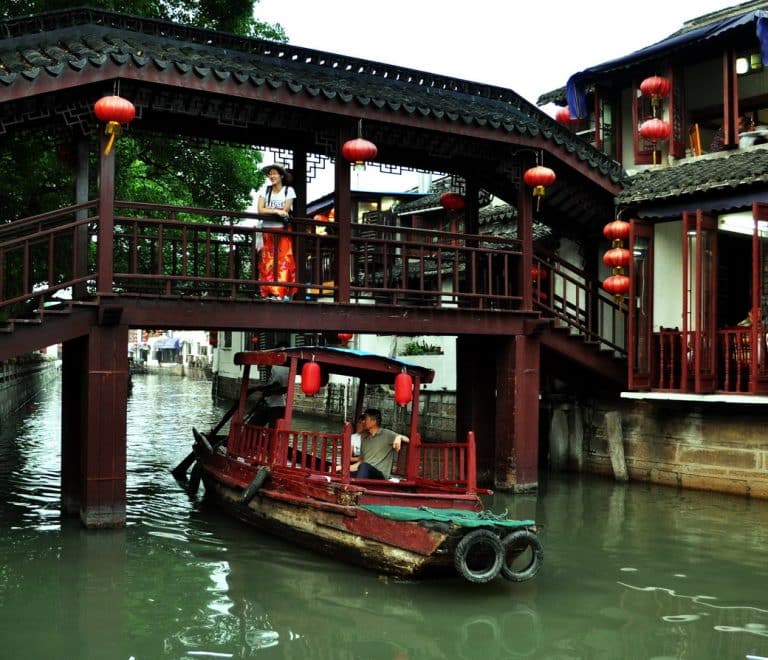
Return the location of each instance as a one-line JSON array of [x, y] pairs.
[[630, 571]]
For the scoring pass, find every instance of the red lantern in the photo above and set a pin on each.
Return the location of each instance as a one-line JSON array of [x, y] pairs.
[[537, 273], [616, 230], [617, 257], [115, 110], [357, 151], [617, 285], [655, 87], [213, 338], [452, 201], [654, 129], [539, 178], [344, 337], [310, 378], [563, 116], [403, 389]]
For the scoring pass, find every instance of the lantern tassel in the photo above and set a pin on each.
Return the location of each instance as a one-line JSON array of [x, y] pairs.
[[113, 130]]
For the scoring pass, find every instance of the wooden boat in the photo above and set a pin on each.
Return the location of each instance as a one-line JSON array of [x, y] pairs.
[[297, 483]]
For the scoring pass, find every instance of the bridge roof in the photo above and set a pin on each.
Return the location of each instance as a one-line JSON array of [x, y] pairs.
[[223, 86]]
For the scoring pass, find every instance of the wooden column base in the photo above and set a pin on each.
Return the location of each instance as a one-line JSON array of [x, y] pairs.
[[517, 414]]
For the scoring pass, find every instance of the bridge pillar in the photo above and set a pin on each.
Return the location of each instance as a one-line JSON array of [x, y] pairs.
[[74, 369], [103, 499], [517, 413], [476, 399], [497, 383], [94, 402]]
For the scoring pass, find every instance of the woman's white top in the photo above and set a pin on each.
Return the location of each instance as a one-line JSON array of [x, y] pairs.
[[275, 200]]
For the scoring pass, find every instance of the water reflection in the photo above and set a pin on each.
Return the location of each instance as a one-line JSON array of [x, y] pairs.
[[630, 571], [267, 594]]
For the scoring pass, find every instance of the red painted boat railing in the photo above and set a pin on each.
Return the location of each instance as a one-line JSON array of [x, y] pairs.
[[250, 442], [443, 464]]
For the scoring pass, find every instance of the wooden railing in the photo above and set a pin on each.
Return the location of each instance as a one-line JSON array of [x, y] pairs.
[[166, 251], [448, 465], [738, 370], [576, 298]]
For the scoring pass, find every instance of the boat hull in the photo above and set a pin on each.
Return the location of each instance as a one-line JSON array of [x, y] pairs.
[[344, 532]]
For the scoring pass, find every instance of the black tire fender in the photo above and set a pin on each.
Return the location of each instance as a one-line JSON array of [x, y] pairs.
[[202, 441], [516, 543], [256, 483], [470, 561]]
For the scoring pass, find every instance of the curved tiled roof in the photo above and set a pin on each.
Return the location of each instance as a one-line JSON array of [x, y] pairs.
[[719, 173], [73, 42]]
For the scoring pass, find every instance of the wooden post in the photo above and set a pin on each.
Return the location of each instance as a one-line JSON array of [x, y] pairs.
[[74, 389], [517, 413], [343, 208], [616, 445], [525, 236], [103, 461], [476, 399], [82, 174], [106, 218]]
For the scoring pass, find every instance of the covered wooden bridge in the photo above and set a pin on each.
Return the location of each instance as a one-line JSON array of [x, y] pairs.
[[127, 263]]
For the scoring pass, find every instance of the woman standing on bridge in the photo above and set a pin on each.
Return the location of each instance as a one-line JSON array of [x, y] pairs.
[[277, 263]]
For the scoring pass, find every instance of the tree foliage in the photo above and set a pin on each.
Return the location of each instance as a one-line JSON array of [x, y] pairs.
[[161, 169], [234, 16]]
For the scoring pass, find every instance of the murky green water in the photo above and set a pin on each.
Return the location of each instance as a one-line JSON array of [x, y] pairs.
[[631, 571]]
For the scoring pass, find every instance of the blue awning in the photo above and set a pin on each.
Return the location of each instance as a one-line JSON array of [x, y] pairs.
[[167, 343], [576, 85]]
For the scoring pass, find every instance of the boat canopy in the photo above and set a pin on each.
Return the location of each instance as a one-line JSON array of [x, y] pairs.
[[368, 367]]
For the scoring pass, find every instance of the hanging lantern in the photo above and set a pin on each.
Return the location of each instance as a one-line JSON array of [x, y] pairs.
[[213, 338], [452, 201], [657, 88], [115, 110], [344, 337], [616, 285], [66, 155], [617, 257], [358, 151], [403, 389], [539, 178], [538, 273], [654, 130], [563, 116], [310, 378], [616, 230]]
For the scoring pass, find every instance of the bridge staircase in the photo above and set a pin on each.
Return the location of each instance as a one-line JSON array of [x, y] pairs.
[[585, 329]]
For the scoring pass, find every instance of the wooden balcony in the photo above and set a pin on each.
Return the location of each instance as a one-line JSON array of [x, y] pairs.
[[739, 369]]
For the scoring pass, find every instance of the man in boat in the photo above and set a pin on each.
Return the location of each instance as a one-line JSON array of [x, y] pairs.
[[271, 405], [378, 448]]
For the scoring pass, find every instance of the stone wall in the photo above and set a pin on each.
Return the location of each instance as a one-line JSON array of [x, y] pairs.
[[21, 379], [715, 447]]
